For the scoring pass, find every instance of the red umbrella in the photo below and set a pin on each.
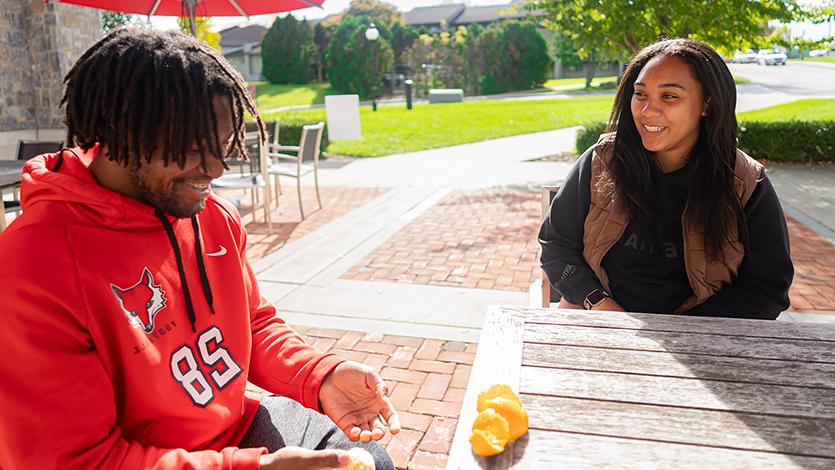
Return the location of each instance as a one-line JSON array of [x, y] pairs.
[[192, 8]]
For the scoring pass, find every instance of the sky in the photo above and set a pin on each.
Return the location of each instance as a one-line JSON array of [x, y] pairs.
[[808, 30]]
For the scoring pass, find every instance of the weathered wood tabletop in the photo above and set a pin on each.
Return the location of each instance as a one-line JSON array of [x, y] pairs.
[[10, 172], [615, 390]]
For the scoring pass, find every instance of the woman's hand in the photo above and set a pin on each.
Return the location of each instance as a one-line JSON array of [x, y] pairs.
[[608, 305]]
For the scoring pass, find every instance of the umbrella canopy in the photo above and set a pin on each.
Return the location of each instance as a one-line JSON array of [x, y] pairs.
[[192, 8]]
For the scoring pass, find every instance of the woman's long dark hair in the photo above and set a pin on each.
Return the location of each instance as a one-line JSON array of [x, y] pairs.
[[712, 202]]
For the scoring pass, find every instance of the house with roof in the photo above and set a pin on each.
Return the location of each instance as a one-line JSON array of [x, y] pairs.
[[434, 18], [440, 17], [241, 46]]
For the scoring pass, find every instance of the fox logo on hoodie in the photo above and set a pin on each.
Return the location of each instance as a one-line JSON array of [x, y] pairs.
[[141, 302]]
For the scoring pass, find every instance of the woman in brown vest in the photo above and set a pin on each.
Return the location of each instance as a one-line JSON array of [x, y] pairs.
[[664, 214]]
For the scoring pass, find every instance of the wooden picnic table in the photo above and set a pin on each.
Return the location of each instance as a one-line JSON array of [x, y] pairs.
[[630, 390], [10, 177], [10, 172]]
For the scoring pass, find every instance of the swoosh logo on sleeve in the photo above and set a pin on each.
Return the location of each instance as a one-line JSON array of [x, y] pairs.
[[220, 252]]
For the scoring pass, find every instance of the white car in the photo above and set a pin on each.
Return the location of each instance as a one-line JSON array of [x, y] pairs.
[[771, 57], [820, 53], [747, 57]]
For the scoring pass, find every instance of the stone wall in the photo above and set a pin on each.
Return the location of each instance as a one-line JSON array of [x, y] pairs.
[[39, 43]]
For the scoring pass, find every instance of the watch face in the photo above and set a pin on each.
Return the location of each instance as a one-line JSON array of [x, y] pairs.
[[595, 297]]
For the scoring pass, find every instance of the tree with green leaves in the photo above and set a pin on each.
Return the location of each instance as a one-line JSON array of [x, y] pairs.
[[321, 38], [515, 57], [288, 51], [402, 37], [376, 11], [111, 20], [618, 28], [349, 58], [202, 30]]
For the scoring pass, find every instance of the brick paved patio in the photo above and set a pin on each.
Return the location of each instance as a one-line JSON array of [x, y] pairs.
[[476, 239], [426, 380], [483, 239], [813, 289], [287, 223], [487, 239]]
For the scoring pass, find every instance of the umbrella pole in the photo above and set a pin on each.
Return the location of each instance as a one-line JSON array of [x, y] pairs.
[[190, 6]]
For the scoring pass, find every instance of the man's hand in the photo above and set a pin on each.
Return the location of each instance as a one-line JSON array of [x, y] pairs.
[[297, 458], [356, 399]]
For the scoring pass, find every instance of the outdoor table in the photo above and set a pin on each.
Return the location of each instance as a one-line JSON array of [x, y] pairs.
[[631, 390], [10, 176], [10, 172]]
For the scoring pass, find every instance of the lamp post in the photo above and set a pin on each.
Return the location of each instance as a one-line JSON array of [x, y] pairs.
[[372, 33]]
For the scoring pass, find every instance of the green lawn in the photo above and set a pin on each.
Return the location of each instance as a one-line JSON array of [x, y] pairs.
[[271, 95], [597, 81], [806, 110], [830, 59], [393, 129]]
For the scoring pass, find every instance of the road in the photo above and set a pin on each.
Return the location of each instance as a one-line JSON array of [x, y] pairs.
[[795, 78]]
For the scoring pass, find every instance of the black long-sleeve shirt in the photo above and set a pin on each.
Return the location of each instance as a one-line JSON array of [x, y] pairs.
[[646, 266]]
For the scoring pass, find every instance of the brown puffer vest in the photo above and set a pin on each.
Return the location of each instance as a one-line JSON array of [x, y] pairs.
[[607, 220]]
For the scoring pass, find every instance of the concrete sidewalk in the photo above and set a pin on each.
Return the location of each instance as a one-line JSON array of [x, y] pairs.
[[314, 280]]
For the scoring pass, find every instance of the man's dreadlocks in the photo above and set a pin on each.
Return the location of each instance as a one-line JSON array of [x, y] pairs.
[[138, 88]]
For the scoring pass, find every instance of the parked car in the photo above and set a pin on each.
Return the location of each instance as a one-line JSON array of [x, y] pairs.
[[771, 57], [820, 53], [747, 57]]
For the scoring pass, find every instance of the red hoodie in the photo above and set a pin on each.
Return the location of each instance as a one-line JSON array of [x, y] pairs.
[[102, 366]]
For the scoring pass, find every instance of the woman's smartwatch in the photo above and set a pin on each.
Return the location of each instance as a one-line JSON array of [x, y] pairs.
[[595, 298]]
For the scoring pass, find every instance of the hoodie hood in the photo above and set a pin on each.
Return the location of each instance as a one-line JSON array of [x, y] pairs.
[[65, 178]]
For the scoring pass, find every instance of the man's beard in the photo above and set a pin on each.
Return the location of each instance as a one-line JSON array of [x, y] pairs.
[[167, 202]]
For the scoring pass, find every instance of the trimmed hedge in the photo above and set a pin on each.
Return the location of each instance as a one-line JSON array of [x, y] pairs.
[[290, 130], [588, 135], [789, 141], [780, 141]]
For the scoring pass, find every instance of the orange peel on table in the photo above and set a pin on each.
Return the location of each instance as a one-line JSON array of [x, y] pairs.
[[512, 412], [360, 460], [491, 432], [498, 390]]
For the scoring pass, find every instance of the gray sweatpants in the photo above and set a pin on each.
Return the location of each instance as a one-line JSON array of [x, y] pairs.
[[282, 422]]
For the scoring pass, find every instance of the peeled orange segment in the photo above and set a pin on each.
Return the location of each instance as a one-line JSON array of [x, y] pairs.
[[512, 412], [485, 444], [490, 433], [498, 390], [360, 460], [491, 421]]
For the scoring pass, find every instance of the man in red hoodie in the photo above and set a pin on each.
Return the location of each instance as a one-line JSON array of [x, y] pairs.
[[132, 319]]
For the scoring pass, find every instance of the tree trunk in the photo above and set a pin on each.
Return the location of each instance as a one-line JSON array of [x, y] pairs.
[[590, 70]]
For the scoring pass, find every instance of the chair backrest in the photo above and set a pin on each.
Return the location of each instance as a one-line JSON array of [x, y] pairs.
[[311, 141], [27, 149], [272, 131]]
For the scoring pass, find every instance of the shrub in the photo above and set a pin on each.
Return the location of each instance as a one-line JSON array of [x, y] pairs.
[[511, 55], [516, 57], [288, 51], [349, 58], [789, 141], [588, 135], [779, 141], [290, 130]]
